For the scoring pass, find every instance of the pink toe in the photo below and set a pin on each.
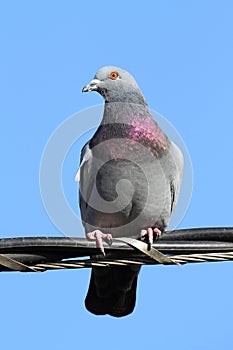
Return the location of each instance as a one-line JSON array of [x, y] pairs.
[[157, 231], [99, 241], [150, 235], [90, 235]]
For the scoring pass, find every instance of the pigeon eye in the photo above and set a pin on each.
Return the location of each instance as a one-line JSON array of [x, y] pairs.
[[113, 75]]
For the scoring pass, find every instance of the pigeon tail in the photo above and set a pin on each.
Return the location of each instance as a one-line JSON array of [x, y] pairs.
[[112, 290]]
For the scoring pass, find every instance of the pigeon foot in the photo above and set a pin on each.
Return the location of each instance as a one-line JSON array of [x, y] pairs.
[[151, 235], [99, 236]]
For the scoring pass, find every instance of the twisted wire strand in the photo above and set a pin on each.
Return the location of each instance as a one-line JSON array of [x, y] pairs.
[[88, 263]]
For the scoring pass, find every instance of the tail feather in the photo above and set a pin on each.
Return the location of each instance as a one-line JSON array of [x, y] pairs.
[[112, 290]]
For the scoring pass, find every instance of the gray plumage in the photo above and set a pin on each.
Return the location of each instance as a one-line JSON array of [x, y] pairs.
[[130, 176]]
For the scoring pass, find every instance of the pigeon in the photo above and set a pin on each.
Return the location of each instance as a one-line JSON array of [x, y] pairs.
[[129, 177]]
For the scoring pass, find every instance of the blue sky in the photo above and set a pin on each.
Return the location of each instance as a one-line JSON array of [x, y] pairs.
[[181, 55]]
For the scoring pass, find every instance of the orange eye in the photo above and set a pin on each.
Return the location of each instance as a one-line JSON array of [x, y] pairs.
[[113, 75]]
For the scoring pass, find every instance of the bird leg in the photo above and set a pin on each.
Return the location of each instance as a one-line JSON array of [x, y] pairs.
[[151, 235], [99, 236]]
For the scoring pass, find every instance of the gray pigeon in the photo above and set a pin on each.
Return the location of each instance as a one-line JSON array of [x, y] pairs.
[[130, 175]]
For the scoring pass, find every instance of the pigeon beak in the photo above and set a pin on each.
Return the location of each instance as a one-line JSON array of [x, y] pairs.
[[92, 86]]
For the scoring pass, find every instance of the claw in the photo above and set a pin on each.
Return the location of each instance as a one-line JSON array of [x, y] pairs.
[[99, 236]]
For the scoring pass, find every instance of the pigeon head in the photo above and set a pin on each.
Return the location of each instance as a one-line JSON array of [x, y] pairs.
[[115, 85]]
